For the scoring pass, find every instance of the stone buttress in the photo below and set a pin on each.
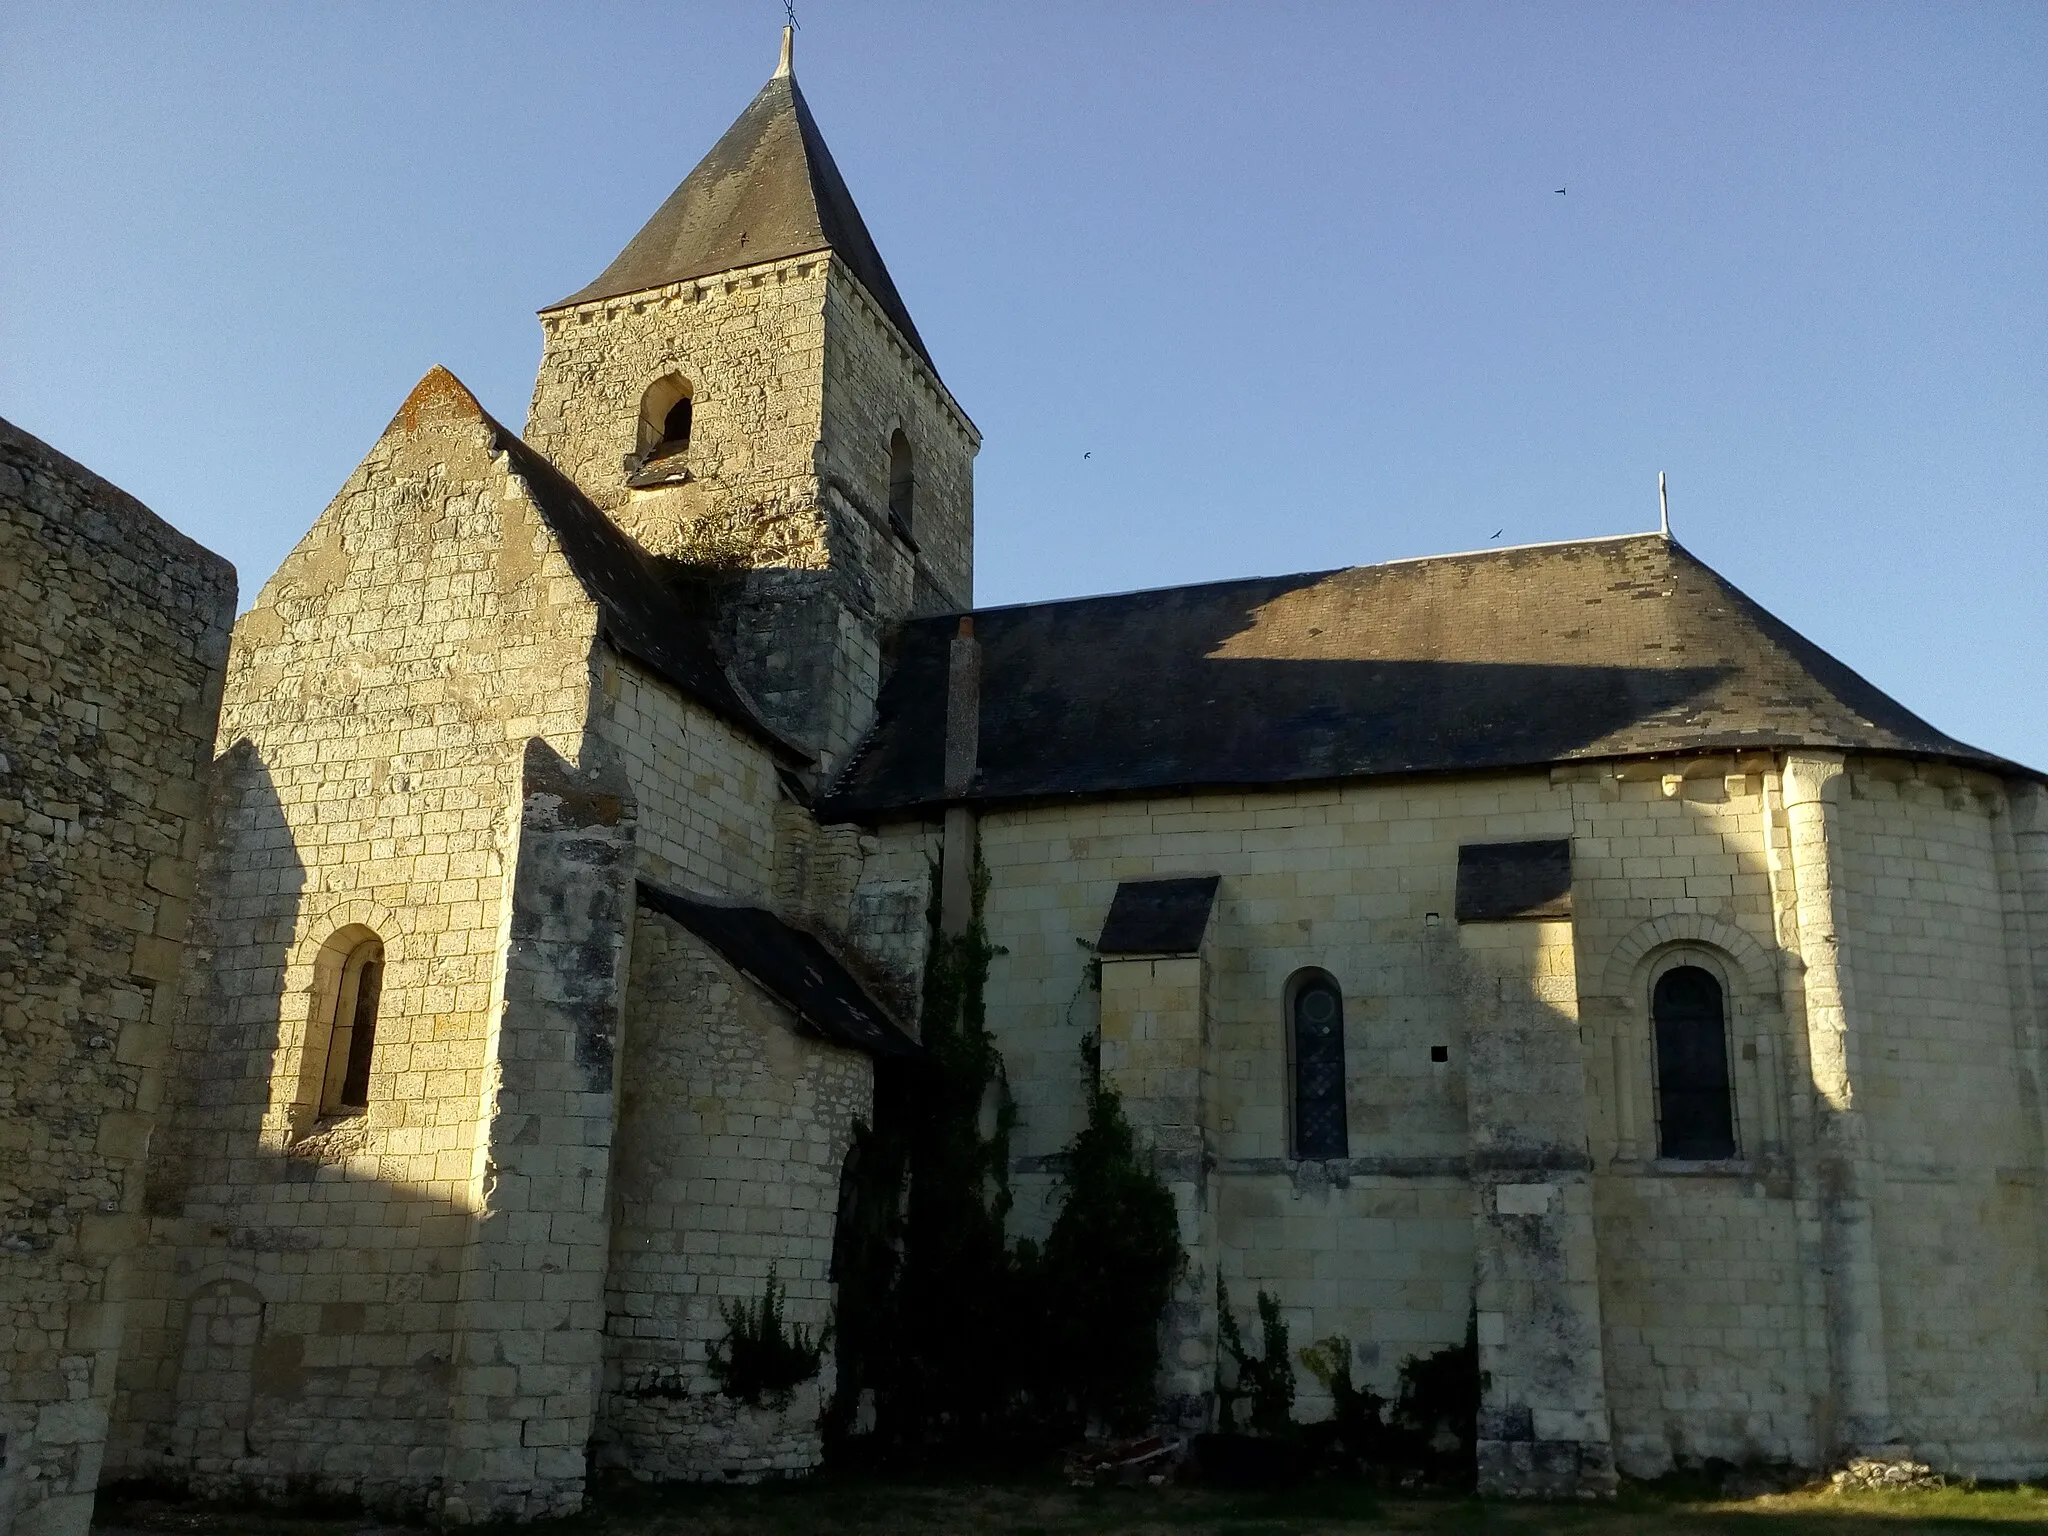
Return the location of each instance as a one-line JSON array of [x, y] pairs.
[[394, 1291]]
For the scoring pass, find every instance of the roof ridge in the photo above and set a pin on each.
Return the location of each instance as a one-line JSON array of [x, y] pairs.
[[1329, 570]]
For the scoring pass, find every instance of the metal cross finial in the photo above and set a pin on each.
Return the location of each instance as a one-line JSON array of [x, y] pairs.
[[789, 15]]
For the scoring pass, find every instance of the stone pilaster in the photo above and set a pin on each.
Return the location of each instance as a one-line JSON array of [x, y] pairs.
[[1155, 1054], [1813, 784], [1543, 1421], [528, 1359]]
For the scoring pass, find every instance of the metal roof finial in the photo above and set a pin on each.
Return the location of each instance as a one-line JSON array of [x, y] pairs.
[[1663, 505]]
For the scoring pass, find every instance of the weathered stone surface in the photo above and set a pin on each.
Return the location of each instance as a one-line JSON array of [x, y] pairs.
[[1707, 1301], [733, 1131], [113, 642], [798, 382]]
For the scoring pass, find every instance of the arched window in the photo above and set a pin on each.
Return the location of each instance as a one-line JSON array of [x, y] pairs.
[[352, 1039], [1695, 1111], [902, 479], [667, 410], [1315, 1021]]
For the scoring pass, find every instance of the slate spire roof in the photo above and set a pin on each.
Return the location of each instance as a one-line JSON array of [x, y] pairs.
[[767, 190], [1508, 658]]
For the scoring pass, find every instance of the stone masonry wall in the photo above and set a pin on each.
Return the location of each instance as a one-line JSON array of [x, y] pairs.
[[1354, 880], [1715, 1326], [875, 386], [707, 793], [382, 693], [113, 642], [783, 493], [1961, 1206], [1715, 1339], [526, 1362], [733, 1129], [751, 343]]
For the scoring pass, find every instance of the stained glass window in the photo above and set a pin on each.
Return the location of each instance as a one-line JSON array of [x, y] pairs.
[[1319, 1125]]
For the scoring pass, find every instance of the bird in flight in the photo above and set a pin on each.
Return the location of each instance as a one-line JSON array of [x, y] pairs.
[[1088, 455], [1560, 191], [1496, 534]]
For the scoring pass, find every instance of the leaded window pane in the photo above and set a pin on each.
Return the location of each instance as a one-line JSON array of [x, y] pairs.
[[1319, 1128], [1695, 1112]]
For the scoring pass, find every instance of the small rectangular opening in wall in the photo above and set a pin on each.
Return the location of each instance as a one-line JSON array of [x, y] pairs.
[[1500, 882], [1439, 1053]]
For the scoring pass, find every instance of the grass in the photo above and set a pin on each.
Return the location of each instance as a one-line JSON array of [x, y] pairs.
[[1052, 1509]]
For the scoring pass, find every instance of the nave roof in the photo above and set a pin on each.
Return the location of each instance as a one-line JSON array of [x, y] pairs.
[[1510, 658]]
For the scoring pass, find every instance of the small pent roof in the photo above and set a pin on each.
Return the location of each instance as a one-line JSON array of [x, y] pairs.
[[767, 191]]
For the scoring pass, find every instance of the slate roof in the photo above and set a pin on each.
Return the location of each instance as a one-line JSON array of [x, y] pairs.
[[768, 190], [646, 616], [1508, 658], [1159, 917], [790, 965]]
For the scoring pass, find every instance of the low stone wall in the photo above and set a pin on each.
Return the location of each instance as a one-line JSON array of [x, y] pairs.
[[113, 644]]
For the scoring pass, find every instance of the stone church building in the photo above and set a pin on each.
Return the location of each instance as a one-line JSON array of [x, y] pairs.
[[1545, 935]]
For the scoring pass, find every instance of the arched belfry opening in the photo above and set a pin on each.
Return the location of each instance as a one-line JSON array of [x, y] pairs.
[[668, 411], [902, 480]]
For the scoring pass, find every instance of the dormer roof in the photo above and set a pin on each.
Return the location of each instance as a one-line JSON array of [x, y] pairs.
[[767, 191]]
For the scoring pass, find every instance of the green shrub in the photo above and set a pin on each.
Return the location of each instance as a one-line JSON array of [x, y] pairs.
[[964, 1341], [760, 1361], [1357, 1433], [1266, 1379], [1106, 1275]]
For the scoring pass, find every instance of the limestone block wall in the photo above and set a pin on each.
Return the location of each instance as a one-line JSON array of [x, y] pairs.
[[381, 695], [526, 1361], [1155, 1054], [113, 643], [875, 386], [1959, 1197], [733, 1131], [1719, 1327], [1543, 1419], [1715, 1332], [707, 793], [751, 343], [1354, 880], [797, 383]]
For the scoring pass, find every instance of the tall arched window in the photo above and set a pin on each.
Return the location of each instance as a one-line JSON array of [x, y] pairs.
[[1695, 1110], [352, 1039], [902, 479], [1315, 1021], [667, 411]]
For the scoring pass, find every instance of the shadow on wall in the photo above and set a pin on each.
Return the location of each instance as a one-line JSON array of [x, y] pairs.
[[295, 1314]]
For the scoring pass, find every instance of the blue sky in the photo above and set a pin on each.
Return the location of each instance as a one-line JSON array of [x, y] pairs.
[[1295, 277]]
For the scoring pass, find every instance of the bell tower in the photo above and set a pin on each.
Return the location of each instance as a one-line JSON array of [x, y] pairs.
[[744, 392]]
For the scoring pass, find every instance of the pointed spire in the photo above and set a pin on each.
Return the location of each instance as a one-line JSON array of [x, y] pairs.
[[768, 190], [786, 69]]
